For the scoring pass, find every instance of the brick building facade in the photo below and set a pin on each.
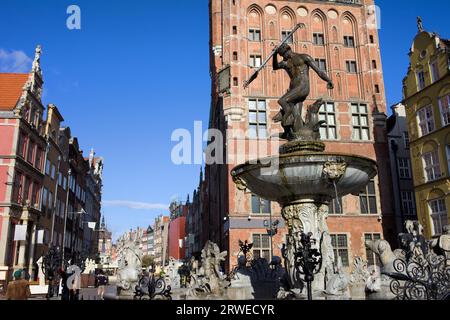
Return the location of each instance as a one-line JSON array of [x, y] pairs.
[[342, 38]]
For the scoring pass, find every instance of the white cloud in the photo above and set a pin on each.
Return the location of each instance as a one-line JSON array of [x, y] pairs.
[[135, 205], [14, 61]]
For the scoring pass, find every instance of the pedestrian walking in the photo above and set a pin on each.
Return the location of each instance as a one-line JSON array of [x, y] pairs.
[[101, 281], [19, 289]]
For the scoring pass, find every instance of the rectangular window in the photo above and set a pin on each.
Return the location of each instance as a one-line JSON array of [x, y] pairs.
[[53, 172], [434, 71], [328, 130], [426, 120], [360, 122], [318, 39], [21, 145], [372, 258], [447, 148], [26, 190], [60, 179], [374, 64], [235, 82], [335, 206], [420, 80], [444, 106], [340, 248], [44, 200], [65, 183], [406, 140], [285, 34], [438, 213], [371, 39], [50, 202], [31, 147], [48, 167], [408, 203], [377, 88], [255, 61], [254, 35], [257, 118], [349, 41], [260, 206], [368, 199], [235, 30], [17, 193], [321, 64], [38, 161], [404, 168], [34, 194], [432, 166], [261, 246], [351, 66], [235, 56]]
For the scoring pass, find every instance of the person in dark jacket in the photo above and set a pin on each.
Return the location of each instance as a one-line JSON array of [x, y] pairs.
[[101, 281]]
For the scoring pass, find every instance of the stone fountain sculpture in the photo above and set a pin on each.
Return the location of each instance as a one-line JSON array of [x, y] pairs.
[[130, 267], [208, 279], [304, 179]]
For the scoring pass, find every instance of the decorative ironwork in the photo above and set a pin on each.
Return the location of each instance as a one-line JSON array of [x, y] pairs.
[[308, 261], [421, 278], [150, 288], [51, 264]]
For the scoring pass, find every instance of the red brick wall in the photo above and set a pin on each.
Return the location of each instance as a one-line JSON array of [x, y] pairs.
[[334, 20], [177, 231]]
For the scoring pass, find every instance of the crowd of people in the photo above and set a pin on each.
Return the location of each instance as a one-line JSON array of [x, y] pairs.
[[66, 284]]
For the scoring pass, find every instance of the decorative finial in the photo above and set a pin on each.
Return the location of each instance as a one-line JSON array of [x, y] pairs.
[[37, 60], [420, 24]]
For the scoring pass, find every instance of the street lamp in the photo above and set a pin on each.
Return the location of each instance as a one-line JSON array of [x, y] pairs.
[[65, 226]]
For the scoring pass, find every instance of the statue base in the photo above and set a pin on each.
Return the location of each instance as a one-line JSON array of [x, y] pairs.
[[302, 146]]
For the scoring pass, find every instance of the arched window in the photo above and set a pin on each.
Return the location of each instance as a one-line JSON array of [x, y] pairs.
[[318, 29], [438, 211], [431, 163]]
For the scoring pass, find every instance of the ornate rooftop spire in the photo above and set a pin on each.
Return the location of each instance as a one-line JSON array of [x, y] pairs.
[[37, 60], [420, 24]]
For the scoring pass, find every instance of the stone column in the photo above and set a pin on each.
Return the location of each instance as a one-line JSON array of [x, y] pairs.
[[31, 249], [307, 216]]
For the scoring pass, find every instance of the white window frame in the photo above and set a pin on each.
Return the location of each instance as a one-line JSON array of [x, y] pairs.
[[447, 150], [439, 217], [261, 133], [255, 60], [408, 203], [404, 168], [406, 140], [327, 112], [445, 110], [425, 120], [360, 127], [431, 166], [421, 83], [434, 71], [252, 32]]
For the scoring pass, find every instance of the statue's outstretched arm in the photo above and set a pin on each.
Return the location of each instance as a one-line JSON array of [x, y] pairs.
[[323, 75]]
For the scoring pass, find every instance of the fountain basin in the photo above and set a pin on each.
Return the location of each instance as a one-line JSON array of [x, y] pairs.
[[305, 176]]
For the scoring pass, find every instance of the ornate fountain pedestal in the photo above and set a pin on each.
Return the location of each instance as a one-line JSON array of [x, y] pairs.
[[304, 180]]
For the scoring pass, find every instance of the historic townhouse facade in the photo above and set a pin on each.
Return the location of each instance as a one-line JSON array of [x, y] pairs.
[[343, 39], [427, 101], [22, 153], [38, 195], [401, 170]]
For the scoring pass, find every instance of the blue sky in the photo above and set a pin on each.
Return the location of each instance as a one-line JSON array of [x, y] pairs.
[[137, 70]]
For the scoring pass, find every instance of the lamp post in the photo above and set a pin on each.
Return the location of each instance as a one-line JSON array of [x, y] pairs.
[[308, 261]]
